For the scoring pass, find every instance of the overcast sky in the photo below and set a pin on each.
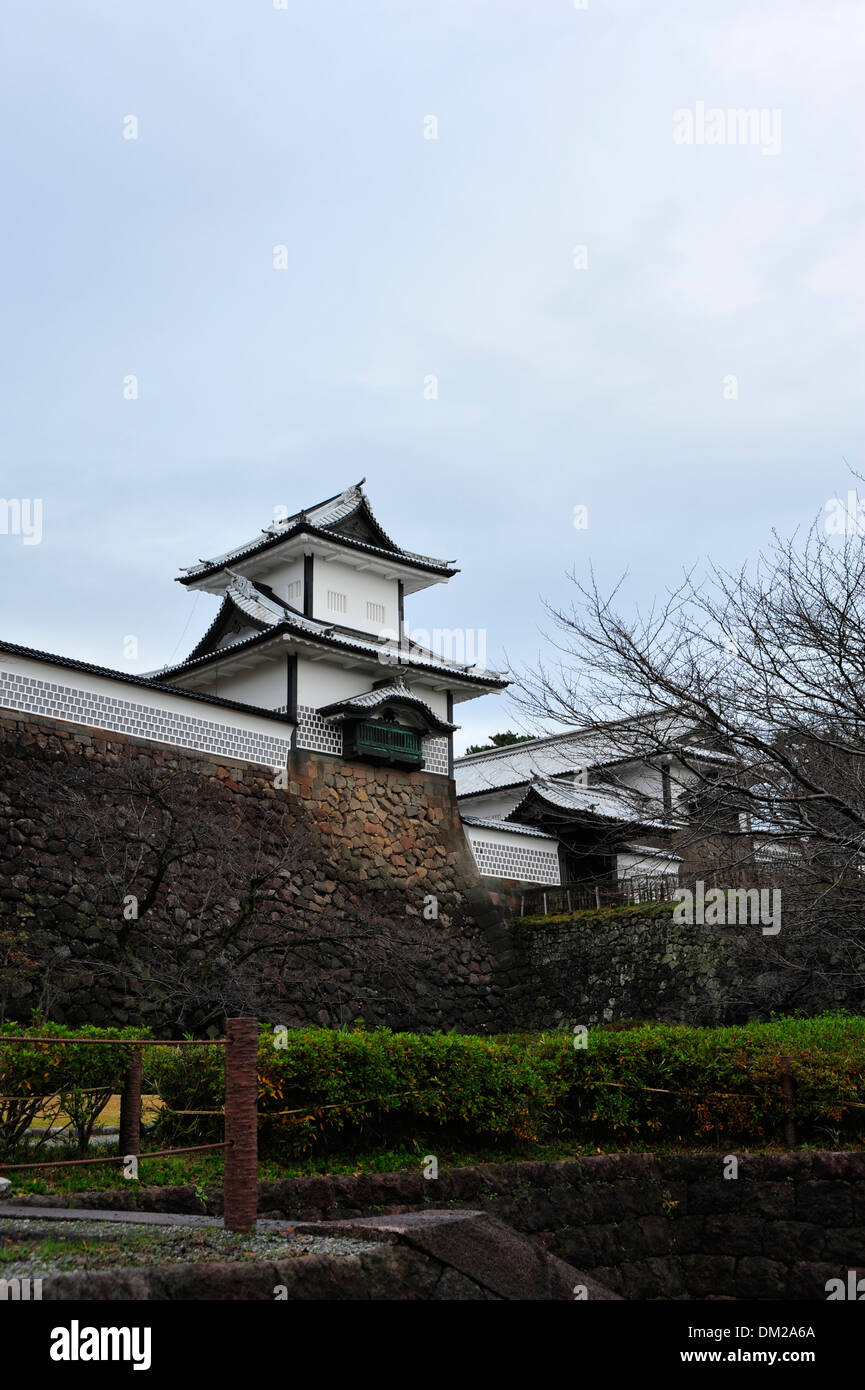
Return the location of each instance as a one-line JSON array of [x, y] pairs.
[[693, 376]]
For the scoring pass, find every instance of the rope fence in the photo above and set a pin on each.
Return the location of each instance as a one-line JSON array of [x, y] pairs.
[[242, 1117], [46, 1095], [113, 1158], [240, 1113], [117, 1042]]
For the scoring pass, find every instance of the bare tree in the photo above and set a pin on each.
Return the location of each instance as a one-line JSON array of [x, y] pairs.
[[748, 689], [189, 899], [764, 667]]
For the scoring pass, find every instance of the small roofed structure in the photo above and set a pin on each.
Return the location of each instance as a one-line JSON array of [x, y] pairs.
[[613, 816]]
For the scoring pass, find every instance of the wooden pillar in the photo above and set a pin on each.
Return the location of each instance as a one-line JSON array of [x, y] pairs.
[[130, 1106], [241, 1124]]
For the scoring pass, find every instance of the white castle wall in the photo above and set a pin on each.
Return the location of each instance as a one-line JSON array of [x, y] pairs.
[[265, 686], [508, 854], [58, 692], [360, 587]]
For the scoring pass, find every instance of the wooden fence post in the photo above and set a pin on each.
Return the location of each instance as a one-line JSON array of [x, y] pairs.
[[241, 1124], [787, 1092], [130, 1106]]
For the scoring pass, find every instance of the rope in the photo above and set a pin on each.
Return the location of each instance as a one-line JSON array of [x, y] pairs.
[[118, 1042], [344, 1104], [168, 1109], [739, 1095], [115, 1158], [63, 1090], [617, 1085]]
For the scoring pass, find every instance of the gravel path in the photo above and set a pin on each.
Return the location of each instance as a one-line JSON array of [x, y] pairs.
[[36, 1248]]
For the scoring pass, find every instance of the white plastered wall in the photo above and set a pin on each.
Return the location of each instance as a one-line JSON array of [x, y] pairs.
[[324, 682], [264, 685], [360, 587], [49, 690], [508, 854]]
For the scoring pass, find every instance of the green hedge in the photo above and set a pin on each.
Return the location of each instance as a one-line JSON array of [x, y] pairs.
[[356, 1090], [727, 1081], [353, 1091], [368, 1088], [45, 1078]]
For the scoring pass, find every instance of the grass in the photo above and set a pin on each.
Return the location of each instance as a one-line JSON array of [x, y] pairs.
[[109, 1118], [26, 1251], [204, 1171]]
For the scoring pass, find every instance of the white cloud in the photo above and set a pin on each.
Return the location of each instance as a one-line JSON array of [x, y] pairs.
[[815, 50], [841, 272]]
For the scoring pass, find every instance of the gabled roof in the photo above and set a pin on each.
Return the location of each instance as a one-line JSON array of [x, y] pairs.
[[491, 823], [650, 852], [397, 694], [346, 517], [255, 605], [261, 609], [601, 803], [520, 763], [516, 764]]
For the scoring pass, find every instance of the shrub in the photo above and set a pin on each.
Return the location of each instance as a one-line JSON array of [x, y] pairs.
[[689, 1085], [186, 1078], [378, 1087], [50, 1078], [336, 1091], [365, 1088], [662, 1083]]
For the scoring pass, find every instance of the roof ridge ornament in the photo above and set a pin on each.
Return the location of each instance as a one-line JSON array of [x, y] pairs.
[[242, 580]]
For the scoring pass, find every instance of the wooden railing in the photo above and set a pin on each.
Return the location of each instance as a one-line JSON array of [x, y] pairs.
[[597, 893]]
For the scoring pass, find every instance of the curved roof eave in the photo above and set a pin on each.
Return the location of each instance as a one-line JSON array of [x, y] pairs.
[[372, 700], [149, 681], [301, 630], [396, 557]]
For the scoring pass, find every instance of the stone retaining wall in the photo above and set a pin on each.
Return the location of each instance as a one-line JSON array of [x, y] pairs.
[[384, 847], [644, 1226], [383, 916], [637, 963]]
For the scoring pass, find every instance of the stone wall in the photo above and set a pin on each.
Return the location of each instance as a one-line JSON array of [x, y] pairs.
[[342, 931], [443, 1255], [637, 963], [645, 1226], [344, 928]]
